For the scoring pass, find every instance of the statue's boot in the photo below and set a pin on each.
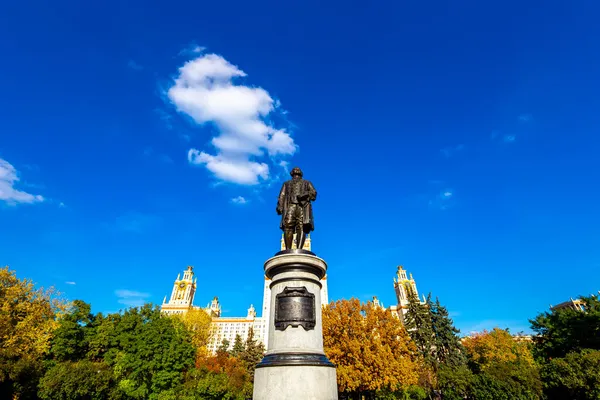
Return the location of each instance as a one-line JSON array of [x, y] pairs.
[[288, 238]]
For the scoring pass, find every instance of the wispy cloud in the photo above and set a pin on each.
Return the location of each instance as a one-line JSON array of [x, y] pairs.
[[136, 222], [9, 177], [134, 66], [165, 117], [131, 298], [443, 200], [70, 283], [192, 49], [149, 152], [239, 200], [525, 117], [452, 150], [206, 90]]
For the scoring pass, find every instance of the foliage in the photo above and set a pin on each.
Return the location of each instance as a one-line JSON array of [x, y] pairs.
[[564, 331], [148, 352], [238, 346], [76, 380], [27, 322], [252, 354], [448, 348], [418, 322], [454, 381], [369, 346], [197, 322], [70, 341], [576, 376], [503, 365], [206, 383]]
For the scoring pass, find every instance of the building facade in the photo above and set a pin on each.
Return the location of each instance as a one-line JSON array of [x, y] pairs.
[[403, 287], [182, 295], [227, 328]]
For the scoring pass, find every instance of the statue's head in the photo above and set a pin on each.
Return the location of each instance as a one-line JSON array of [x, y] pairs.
[[296, 172]]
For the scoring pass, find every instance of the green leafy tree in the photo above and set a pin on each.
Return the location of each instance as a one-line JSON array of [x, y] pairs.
[[70, 341], [147, 351], [563, 331], [76, 380], [575, 376]]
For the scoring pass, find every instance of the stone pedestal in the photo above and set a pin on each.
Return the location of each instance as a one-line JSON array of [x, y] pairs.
[[295, 366]]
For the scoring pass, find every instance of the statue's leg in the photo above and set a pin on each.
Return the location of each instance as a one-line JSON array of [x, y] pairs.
[[288, 237], [299, 219], [289, 226]]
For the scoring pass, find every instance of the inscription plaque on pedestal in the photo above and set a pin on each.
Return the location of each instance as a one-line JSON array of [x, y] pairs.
[[295, 306]]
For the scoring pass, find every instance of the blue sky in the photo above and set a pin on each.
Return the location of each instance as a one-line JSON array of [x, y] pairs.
[[459, 139]]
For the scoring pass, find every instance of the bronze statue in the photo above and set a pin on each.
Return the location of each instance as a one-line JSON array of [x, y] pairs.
[[295, 209]]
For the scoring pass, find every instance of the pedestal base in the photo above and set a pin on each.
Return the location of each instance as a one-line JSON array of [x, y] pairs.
[[300, 382], [295, 366]]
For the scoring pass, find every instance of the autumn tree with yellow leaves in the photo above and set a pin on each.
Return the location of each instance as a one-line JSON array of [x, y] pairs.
[[198, 322], [27, 321], [370, 348], [502, 364]]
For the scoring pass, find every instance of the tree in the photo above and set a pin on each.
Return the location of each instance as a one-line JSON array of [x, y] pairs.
[[448, 349], [370, 348], [252, 354], [238, 346], [418, 322], [197, 322], [575, 376], [563, 331], [224, 347], [27, 323], [503, 365], [76, 380], [70, 341], [148, 352]]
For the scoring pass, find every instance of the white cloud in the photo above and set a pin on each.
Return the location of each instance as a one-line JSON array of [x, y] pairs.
[[239, 200], [447, 194], [8, 193], [245, 141], [70, 283], [131, 298]]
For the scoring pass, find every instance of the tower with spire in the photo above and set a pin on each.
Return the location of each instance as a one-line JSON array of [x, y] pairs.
[[404, 286], [182, 295]]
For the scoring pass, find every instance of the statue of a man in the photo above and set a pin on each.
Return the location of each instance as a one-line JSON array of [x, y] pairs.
[[295, 209]]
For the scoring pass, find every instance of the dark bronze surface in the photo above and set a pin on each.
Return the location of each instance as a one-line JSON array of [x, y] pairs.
[[295, 306], [294, 206], [282, 359]]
